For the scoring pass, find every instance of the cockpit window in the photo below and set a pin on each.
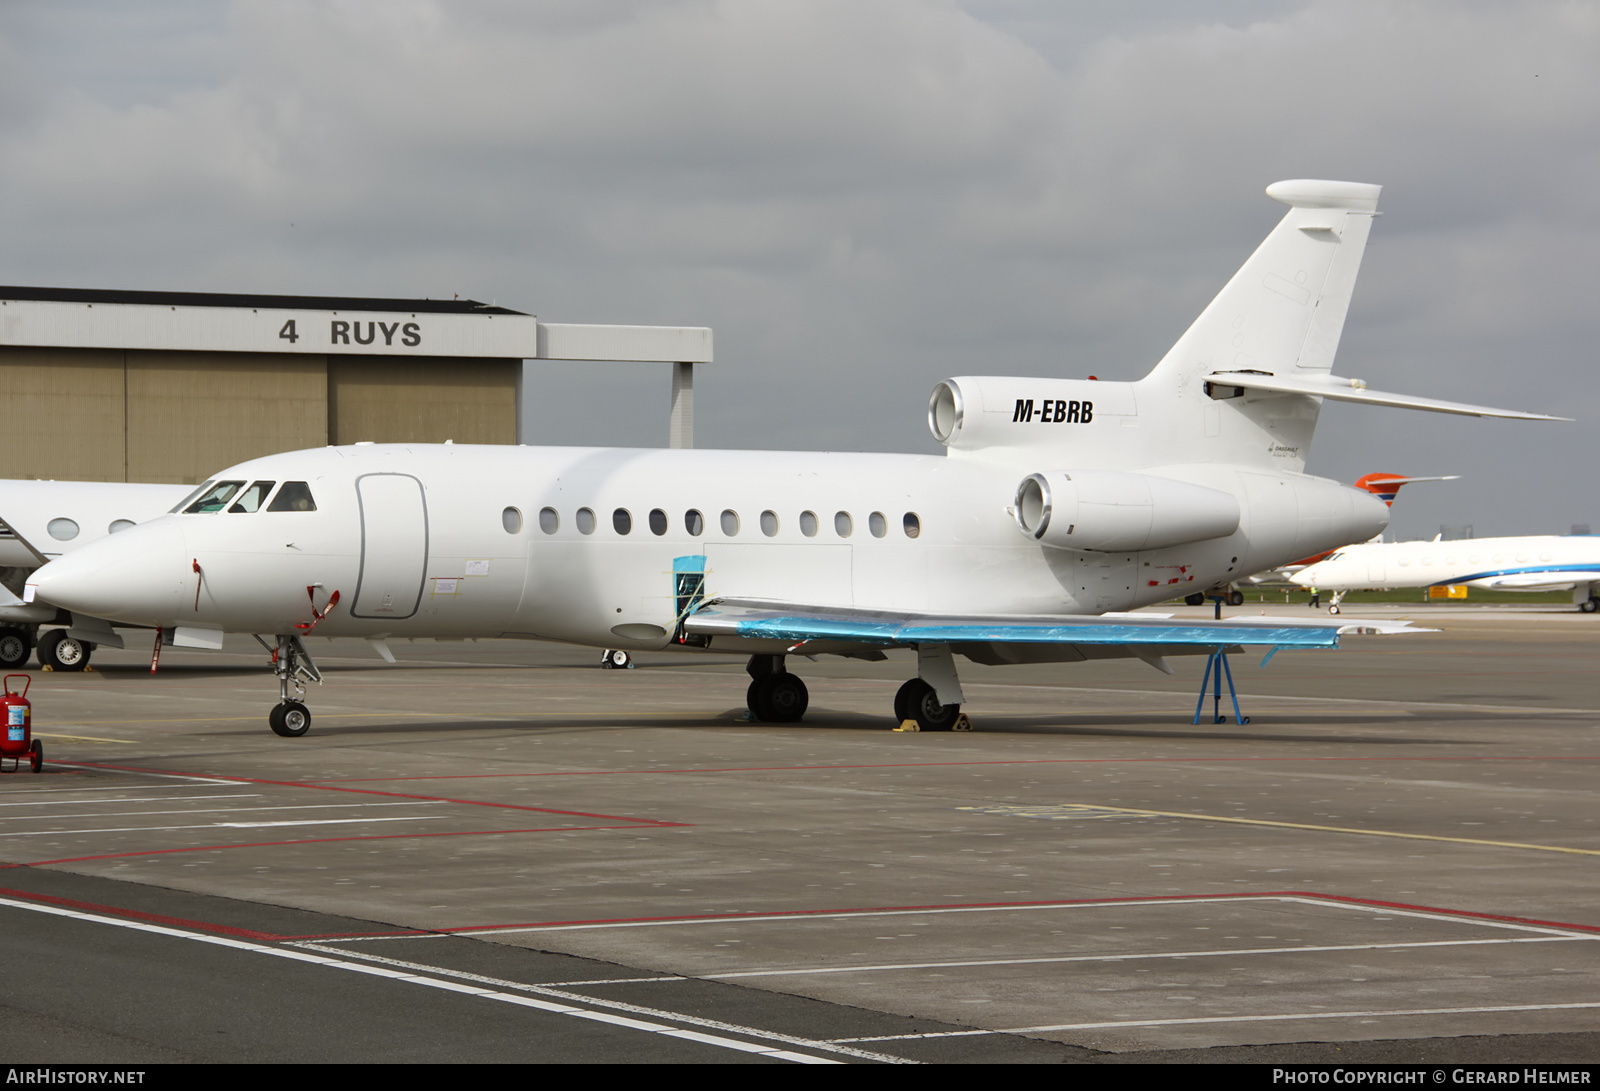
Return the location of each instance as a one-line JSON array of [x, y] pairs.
[[294, 496], [214, 499], [1335, 556], [187, 500], [253, 497]]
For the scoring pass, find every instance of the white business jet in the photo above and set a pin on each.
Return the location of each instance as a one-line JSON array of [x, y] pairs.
[[1057, 501], [1545, 562], [45, 520]]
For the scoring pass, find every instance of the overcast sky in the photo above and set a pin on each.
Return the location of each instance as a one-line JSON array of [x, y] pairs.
[[861, 197]]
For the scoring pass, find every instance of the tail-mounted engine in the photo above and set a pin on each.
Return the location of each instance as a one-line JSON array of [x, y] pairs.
[[1112, 510], [971, 413]]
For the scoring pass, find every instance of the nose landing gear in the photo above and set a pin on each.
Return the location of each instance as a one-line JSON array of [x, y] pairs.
[[293, 666]]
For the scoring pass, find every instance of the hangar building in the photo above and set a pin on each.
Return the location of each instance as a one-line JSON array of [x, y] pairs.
[[168, 386]]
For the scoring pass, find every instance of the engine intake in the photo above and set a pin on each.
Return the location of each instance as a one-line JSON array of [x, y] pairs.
[[1113, 510]]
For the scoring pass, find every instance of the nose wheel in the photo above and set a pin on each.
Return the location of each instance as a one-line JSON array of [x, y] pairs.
[[290, 719], [293, 666]]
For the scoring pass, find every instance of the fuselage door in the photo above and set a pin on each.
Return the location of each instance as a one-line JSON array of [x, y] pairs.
[[394, 546]]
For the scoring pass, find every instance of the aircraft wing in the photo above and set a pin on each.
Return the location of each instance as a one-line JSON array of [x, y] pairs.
[[1355, 390], [1140, 634]]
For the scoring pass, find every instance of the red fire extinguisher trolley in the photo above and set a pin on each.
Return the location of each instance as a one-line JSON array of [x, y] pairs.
[[18, 741]]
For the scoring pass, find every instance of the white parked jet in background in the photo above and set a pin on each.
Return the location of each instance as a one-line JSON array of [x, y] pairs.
[[1544, 562], [1058, 501], [44, 520], [1385, 486]]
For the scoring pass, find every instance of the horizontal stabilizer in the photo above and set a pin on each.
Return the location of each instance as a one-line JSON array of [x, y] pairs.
[[1354, 390]]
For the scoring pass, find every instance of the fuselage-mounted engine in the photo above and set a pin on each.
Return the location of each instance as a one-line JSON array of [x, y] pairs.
[[1115, 511]]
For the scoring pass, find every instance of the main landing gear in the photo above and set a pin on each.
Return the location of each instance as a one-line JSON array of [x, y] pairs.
[[775, 696], [615, 659], [929, 702], [293, 666]]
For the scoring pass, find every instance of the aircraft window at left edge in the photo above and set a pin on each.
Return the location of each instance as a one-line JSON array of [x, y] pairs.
[[214, 499], [658, 522], [63, 529], [621, 521], [181, 504], [294, 496], [253, 497]]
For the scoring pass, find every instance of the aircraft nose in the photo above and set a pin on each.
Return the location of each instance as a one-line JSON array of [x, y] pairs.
[[136, 576], [1306, 577]]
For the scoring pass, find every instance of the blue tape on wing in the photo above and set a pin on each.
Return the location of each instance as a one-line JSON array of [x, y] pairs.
[[893, 632]]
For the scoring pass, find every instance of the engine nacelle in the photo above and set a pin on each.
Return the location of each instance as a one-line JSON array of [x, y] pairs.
[[1113, 510], [975, 412]]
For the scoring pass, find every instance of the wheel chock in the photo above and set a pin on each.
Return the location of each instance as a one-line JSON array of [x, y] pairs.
[[962, 723], [47, 667], [909, 725]]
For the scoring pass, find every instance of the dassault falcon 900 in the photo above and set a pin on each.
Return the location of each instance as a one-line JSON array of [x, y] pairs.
[[1057, 503]]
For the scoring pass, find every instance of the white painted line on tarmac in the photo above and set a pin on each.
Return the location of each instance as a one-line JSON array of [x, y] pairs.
[[1289, 1017], [230, 825], [134, 799], [1131, 957], [223, 810], [616, 1005], [396, 974], [1035, 907]]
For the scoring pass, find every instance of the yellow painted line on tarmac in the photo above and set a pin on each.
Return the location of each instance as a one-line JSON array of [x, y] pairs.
[[79, 738], [1335, 829]]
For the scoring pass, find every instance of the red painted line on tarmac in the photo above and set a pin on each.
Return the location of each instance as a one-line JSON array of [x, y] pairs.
[[392, 795], [937, 765], [334, 840]]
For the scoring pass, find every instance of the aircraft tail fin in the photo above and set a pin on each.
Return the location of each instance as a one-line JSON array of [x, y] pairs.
[[1281, 315]]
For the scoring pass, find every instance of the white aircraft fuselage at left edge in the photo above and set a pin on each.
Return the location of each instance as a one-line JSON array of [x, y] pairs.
[[1057, 501]]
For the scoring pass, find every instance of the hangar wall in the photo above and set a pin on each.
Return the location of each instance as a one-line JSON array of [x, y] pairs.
[[169, 387]]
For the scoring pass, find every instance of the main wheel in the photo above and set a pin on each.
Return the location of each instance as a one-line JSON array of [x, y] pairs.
[[1588, 606], [15, 645], [1235, 598], [922, 705], [778, 698], [60, 652], [615, 659], [903, 698], [291, 719], [1196, 599], [37, 755]]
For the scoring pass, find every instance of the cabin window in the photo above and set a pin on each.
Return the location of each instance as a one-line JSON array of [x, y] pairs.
[[808, 524], [877, 524], [214, 499], [730, 523], [621, 521], [843, 525], [63, 530], [694, 523], [769, 523], [294, 496], [184, 503], [585, 519], [912, 524], [511, 519], [658, 522], [549, 519], [119, 525]]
